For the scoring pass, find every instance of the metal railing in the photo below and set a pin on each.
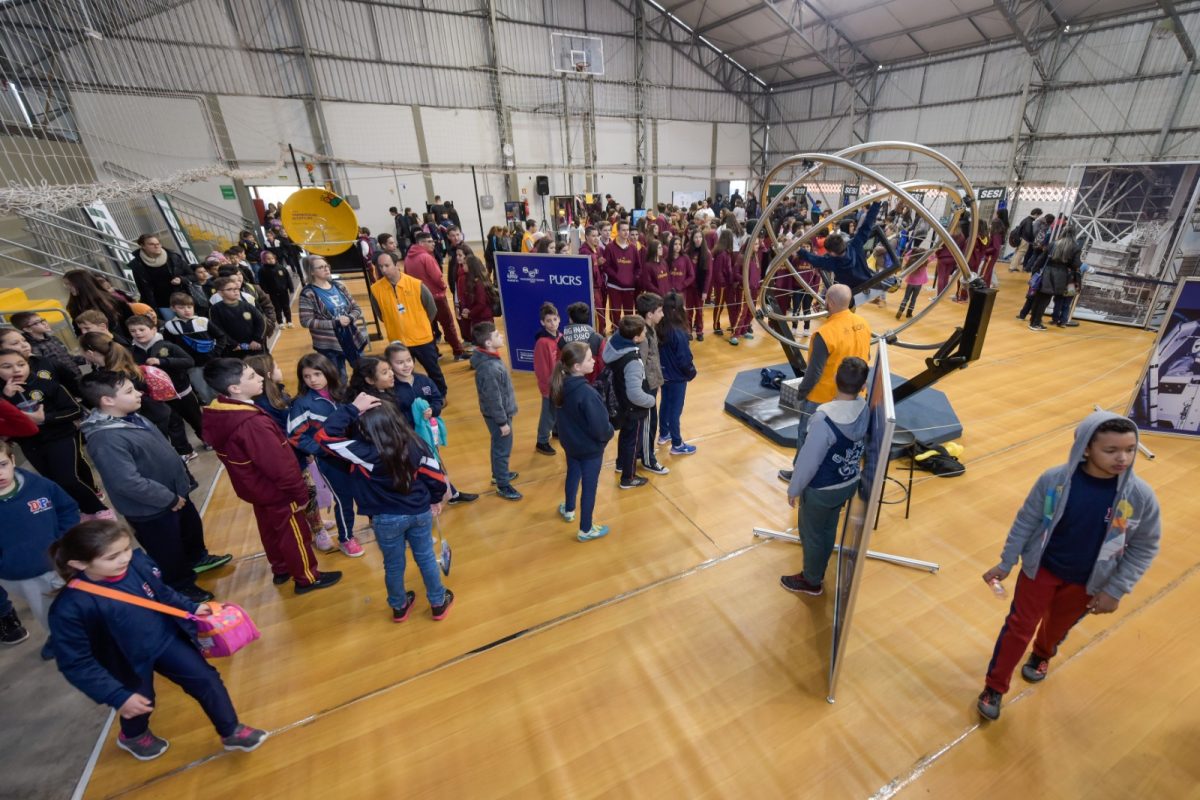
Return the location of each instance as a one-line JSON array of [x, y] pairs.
[[65, 243], [57, 264]]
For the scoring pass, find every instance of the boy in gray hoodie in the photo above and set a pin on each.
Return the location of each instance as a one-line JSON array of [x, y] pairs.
[[146, 482], [622, 358], [1086, 534], [825, 474], [497, 403]]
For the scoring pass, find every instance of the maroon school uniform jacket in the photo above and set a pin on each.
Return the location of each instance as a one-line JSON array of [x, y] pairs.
[[596, 256], [622, 265], [654, 277], [681, 274], [721, 274], [261, 463]]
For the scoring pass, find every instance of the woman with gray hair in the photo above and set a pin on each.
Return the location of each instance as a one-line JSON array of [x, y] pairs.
[[332, 317], [1060, 280]]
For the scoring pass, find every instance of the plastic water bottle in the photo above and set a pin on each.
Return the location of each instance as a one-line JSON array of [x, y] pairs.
[[998, 589]]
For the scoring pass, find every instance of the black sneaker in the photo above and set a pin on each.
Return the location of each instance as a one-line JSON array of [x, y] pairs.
[[634, 482], [989, 704], [280, 580], [545, 449], [1038, 328], [401, 614], [440, 612], [325, 580], [1035, 668], [508, 493], [798, 585], [244, 738], [784, 475], [463, 497], [699, 337], [146, 747], [718, 332], [11, 629], [462, 357], [512, 476], [211, 562], [657, 469], [196, 594]]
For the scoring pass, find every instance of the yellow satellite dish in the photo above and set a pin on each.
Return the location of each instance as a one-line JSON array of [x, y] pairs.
[[319, 221]]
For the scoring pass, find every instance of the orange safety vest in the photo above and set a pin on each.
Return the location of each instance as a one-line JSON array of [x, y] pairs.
[[401, 311], [845, 334]]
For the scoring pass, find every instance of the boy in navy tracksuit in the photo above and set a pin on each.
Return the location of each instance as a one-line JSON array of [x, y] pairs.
[[151, 349], [1086, 534], [34, 513], [847, 260], [200, 338], [826, 472]]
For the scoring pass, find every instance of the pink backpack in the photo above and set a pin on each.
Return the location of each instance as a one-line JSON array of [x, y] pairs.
[[222, 633]]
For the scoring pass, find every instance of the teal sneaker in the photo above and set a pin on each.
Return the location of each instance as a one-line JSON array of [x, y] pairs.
[[597, 532], [568, 516]]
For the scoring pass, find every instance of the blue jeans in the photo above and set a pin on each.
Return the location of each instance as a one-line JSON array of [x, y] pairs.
[[392, 532], [587, 471], [671, 410], [338, 358]]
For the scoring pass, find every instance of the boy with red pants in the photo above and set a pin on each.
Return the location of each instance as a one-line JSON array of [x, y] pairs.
[[1087, 532], [264, 472]]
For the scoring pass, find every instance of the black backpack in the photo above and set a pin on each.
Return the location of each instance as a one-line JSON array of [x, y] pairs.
[[1014, 237], [605, 387]]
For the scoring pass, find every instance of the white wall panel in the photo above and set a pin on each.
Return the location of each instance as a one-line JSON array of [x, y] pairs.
[[956, 80], [365, 132], [683, 144], [257, 125], [733, 148], [616, 142], [901, 88], [460, 136]]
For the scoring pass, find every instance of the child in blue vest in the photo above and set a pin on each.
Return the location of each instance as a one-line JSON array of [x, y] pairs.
[[825, 474], [109, 649], [34, 513]]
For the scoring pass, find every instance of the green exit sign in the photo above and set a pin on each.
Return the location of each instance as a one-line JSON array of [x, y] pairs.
[[227, 193]]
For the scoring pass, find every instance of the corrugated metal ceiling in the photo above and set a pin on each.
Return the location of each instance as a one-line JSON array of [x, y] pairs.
[[784, 41]]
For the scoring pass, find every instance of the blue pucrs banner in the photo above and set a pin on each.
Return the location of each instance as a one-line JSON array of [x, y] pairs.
[[529, 279]]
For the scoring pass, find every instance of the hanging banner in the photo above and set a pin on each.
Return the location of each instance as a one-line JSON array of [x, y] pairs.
[[176, 228], [529, 279], [1167, 399], [849, 194], [102, 220]]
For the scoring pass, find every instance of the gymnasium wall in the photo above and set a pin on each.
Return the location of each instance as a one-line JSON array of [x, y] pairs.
[[213, 81]]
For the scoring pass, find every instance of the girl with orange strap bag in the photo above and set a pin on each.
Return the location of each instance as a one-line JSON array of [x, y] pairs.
[[116, 624]]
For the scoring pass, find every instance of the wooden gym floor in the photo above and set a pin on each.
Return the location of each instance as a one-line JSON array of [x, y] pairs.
[[665, 659]]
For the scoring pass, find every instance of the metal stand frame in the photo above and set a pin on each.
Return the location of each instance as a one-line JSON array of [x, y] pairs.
[[903, 561]]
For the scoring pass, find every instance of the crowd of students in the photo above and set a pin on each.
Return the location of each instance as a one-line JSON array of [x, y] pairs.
[[369, 443]]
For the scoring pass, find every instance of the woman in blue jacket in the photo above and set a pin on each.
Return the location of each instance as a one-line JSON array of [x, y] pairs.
[[584, 430], [110, 650]]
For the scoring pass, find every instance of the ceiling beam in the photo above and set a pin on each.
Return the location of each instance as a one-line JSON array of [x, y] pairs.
[[1014, 25], [1185, 41], [842, 59], [745, 12]]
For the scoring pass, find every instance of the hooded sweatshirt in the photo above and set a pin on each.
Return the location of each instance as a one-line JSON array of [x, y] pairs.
[[850, 267], [32, 518], [260, 462], [172, 359], [1133, 529], [830, 456], [140, 469], [630, 375], [583, 425], [545, 356], [493, 384]]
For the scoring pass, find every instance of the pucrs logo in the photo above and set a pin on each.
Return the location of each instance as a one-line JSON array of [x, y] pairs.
[[566, 280], [530, 272], [512, 274]]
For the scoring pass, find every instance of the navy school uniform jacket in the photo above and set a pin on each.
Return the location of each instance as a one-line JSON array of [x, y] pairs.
[[172, 359], [103, 646], [676, 357], [421, 387], [583, 425], [200, 337], [375, 492], [31, 519], [60, 408], [305, 418]]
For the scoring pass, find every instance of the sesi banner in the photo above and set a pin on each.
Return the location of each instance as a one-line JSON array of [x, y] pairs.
[[529, 279]]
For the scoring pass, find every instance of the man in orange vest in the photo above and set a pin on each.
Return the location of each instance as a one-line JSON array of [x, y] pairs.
[[841, 335], [406, 308]]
